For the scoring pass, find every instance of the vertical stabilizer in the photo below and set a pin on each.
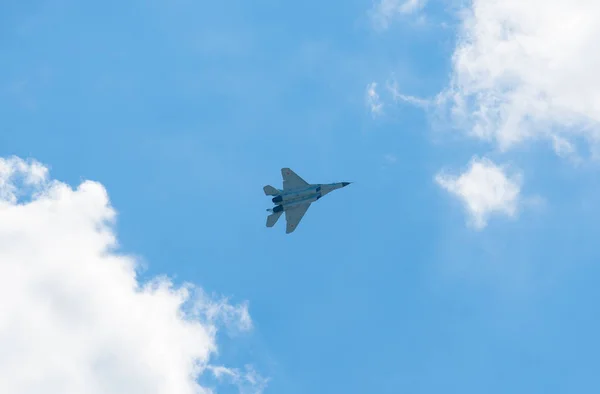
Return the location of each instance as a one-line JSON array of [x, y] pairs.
[[273, 218], [270, 190]]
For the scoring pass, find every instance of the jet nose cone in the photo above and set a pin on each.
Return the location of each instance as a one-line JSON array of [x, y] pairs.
[[344, 184]]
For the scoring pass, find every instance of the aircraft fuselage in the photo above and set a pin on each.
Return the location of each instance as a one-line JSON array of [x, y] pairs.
[[291, 198]]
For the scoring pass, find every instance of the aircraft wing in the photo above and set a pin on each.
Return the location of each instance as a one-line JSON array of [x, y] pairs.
[[294, 216], [291, 180]]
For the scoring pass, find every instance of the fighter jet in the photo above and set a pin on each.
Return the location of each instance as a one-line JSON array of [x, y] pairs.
[[295, 198]]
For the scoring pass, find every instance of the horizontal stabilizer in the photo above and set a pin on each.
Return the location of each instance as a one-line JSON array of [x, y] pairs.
[[273, 218], [270, 190]]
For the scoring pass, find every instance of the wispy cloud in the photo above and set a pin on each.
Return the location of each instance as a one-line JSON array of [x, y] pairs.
[[385, 10], [372, 99], [248, 380], [484, 189], [392, 87]]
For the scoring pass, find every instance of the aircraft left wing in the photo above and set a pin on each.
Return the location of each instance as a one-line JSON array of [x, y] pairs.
[[294, 216], [291, 180]]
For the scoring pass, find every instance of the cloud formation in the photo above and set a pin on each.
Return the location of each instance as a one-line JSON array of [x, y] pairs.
[[522, 71], [525, 70], [392, 87], [372, 99], [485, 189], [385, 10], [75, 319]]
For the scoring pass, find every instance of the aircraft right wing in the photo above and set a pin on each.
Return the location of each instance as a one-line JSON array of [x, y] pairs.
[[294, 216], [291, 180]]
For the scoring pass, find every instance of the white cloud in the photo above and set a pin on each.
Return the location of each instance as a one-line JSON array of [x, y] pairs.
[[563, 147], [248, 381], [484, 189], [528, 70], [75, 319], [392, 87], [385, 10], [372, 99]]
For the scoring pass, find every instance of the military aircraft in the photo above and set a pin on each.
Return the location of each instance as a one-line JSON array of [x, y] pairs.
[[295, 198]]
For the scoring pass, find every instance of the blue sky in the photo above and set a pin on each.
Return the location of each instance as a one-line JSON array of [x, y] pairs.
[[183, 110]]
